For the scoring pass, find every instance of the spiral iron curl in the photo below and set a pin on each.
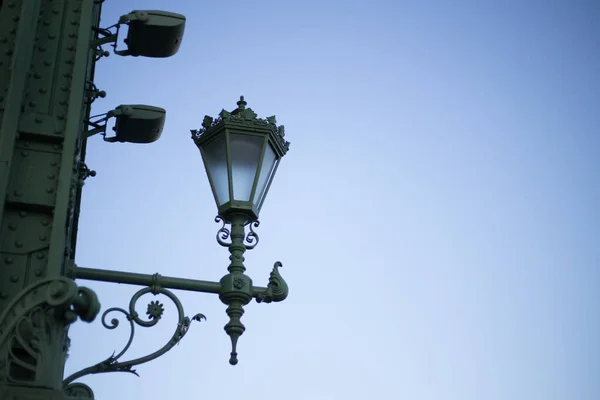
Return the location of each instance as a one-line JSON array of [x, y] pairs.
[[252, 237], [223, 233], [155, 310]]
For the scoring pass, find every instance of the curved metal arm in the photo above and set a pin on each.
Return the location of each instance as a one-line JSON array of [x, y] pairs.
[[154, 312]]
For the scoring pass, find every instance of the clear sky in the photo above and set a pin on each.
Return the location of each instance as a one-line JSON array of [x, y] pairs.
[[437, 215]]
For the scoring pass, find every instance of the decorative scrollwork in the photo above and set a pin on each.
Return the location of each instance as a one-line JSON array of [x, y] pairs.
[[33, 329], [277, 289], [279, 134], [154, 313], [223, 233], [252, 237], [79, 390]]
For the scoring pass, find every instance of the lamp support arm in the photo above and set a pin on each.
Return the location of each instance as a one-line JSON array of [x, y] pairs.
[[235, 289], [149, 280]]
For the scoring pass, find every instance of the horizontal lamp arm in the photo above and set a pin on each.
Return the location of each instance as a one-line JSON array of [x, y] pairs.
[[167, 282]]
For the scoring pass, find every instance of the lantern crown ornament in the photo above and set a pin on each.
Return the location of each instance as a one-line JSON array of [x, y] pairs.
[[241, 153]]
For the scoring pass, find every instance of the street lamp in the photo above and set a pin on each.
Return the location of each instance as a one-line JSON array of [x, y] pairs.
[[241, 153]]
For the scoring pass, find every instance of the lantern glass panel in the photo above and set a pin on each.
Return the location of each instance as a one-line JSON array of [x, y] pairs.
[[244, 152], [265, 173], [215, 157]]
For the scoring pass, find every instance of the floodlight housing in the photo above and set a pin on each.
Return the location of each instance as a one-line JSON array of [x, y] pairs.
[[137, 123], [153, 33]]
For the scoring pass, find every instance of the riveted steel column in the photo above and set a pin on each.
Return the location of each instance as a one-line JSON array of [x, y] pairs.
[[44, 51]]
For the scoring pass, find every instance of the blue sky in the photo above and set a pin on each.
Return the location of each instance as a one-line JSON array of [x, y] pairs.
[[437, 214]]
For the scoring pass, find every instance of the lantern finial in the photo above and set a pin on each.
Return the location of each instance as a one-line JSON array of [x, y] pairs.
[[242, 103]]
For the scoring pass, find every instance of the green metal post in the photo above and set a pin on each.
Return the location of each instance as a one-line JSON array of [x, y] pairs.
[[44, 67]]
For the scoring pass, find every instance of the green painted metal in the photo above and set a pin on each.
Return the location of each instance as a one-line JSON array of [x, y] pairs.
[[44, 52], [154, 313], [235, 290]]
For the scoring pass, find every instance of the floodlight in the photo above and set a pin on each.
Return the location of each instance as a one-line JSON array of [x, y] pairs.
[[152, 33], [135, 123]]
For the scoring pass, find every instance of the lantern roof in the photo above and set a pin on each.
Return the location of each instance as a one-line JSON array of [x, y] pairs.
[[244, 120]]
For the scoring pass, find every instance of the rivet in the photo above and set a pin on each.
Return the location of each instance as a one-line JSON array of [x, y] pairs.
[[62, 102], [38, 120], [3, 39], [43, 90], [8, 52], [8, 260], [40, 256], [71, 48], [18, 243], [13, 30], [60, 117], [74, 22], [18, 193], [69, 62], [46, 23], [49, 190], [51, 176], [3, 295], [37, 75], [15, 18], [47, 63], [45, 222], [11, 4], [56, 147], [64, 88], [38, 272], [14, 278], [51, 36], [26, 144], [43, 238], [53, 164], [24, 153], [76, 10], [72, 35], [12, 227], [23, 214], [41, 48], [67, 75], [55, 10], [32, 104]]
